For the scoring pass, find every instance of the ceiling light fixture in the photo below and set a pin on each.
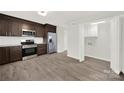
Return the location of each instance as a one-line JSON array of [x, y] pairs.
[[42, 13], [99, 22]]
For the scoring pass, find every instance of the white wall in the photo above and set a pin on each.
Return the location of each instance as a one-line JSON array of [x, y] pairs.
[[75, 41], [99, 47], [65, 39], [122, 37], [81, 42], [116, 45], [17, 40], [109, 45], [60, 39], [70, 39]]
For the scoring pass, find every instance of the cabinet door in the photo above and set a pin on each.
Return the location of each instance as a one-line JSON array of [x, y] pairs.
[[4, 55], [15, 29], [42, 49], [91, 30], [27, 25], [50, 28], [4, 27], [39, 31], [15, 53]]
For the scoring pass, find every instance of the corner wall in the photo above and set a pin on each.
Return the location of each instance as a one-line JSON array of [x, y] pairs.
[[75, 41], [99, 47], [122, 37], [61, 39], [116, 45], [72, 41]]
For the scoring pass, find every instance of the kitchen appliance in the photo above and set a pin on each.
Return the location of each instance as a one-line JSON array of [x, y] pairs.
[[52, 43], [29, 49], [26, 32]]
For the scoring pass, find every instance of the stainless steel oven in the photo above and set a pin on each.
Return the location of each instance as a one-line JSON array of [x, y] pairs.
[[29, 49]]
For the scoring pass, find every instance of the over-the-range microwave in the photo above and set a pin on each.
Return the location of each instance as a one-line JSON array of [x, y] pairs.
[[26, 32]]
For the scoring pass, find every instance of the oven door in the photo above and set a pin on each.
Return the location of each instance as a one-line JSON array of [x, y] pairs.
[[29, 51]]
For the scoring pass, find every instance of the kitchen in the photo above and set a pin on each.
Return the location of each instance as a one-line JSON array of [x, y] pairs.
[[83, 49], [58, 50], [22, 39]]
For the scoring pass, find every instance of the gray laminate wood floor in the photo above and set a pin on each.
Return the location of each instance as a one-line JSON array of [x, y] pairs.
[[58, 67]]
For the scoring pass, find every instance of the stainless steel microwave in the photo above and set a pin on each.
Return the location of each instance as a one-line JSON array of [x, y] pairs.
[[30, 33]]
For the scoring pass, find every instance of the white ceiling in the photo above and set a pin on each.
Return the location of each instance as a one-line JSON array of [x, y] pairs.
[[62, 17]]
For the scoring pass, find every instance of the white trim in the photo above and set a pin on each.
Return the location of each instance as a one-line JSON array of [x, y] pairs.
[[109, 60], [74, 58], [81, 43], [116, 44], [81, 60], [123, 70], [116, 71], [60, 51]]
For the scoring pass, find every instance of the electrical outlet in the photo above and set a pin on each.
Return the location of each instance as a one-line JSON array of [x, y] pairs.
[[89, 43]]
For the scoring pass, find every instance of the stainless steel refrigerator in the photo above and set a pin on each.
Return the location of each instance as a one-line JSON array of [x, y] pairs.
[[52, 42]]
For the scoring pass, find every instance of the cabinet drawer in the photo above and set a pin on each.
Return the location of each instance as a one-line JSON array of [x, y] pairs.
[[41, 49]]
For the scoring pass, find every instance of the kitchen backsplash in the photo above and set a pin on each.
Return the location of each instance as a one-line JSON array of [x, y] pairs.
[[4, 40]]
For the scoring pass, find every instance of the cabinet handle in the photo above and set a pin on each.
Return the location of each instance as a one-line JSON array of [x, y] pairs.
[[10, 33], [6, 33]]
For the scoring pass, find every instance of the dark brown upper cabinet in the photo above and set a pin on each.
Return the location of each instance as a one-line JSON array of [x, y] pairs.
[[12, 26], [9, 28], [4, 27], [15, 28], [28, 25], [50, 28], [39, 30]]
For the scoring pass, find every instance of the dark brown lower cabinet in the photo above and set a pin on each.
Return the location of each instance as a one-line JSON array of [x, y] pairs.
[[10, 54], [15, 53], [4, 55], [41, 49]]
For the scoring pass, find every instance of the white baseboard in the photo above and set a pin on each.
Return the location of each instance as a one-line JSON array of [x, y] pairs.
[[73, 57], [80, 60], [99, 58], [60, 51], [116, 71], [89, 56], [123, 70]]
